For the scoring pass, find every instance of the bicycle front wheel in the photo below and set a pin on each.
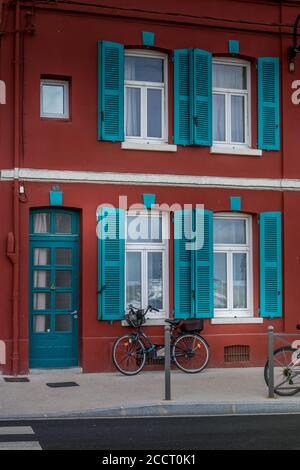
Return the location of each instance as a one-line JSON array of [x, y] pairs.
[[128, 354], [286, 374], [190, 353]]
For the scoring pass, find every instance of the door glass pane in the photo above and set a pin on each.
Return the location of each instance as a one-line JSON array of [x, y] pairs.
[[133, 279], [53, 99], [41, 223], [41, 279], [155, 280], [220, 280], [63, 300], [63, 323], [41, 301], [154, 113], [41, 257], [229, 231], [229, 76], [63, 223], [239, 280], [41, 323], [219, 118], [237, 119], [133, 112], [144, 69], [63, 256], [144, 229], [63, 279]]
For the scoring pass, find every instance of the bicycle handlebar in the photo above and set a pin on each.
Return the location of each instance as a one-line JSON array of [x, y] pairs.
[[148, 309]]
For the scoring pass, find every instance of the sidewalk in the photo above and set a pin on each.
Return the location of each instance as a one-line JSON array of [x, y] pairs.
[[212, 392]]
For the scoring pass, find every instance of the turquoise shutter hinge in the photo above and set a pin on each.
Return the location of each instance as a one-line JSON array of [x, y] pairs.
[[234, 46], [56, 198], [148, 38], [149, 200]]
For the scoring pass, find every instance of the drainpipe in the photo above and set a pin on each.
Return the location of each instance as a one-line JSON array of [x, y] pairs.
[[16, 202]]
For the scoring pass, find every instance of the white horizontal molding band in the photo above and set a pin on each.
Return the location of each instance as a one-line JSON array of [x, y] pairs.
[[71, 176], [236, 321]]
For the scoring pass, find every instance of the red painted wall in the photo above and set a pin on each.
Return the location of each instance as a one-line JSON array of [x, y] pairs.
[[64, 44], [97, 336], [73, 144]]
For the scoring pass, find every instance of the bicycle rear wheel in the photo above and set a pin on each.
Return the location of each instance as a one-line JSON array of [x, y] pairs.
[[286, 378], [190, 353], [128, 354]]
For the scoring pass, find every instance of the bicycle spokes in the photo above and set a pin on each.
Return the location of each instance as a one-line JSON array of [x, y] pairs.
[[190, 353], [128, 355]]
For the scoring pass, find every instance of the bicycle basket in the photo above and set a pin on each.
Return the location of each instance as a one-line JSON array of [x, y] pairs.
[[188, 326], [136, 318]]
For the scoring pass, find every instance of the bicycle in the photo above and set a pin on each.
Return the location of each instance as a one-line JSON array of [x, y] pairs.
[[189, 351], [286, 361]]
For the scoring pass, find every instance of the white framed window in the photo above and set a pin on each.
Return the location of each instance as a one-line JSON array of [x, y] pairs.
[[231, 103], [146, 261], [54, 99], [145, 97], [232, 266]]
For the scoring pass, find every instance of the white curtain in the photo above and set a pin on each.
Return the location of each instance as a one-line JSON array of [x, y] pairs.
[[40, 281], [133, 111], [133, 101], [229, 231], [237, 119], [40, 324], [41, 223], [228, 77], [219, 118], [239, 280], [155, 280]]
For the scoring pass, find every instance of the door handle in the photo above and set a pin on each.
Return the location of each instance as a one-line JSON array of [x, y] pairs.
[[74, 314]]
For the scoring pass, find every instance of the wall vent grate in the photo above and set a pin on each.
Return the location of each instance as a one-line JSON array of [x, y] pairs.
[[236, 353]]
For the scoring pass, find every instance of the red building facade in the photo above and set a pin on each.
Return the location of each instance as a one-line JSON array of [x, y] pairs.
[[181, 104]]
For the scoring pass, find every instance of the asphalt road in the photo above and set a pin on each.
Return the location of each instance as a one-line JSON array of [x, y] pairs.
[[182, 433]]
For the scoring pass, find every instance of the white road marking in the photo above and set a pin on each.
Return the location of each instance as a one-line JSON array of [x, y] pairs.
[[16, 430], [29, 445]]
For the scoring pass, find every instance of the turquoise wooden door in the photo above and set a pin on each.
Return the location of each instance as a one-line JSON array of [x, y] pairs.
[[54, 296]]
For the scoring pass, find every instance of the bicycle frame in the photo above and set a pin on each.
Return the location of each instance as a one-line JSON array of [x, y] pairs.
[[149, 346]]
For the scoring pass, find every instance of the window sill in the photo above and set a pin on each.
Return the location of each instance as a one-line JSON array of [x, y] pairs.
[[236, 320], [151, 147], [150, 322], [235, 150]]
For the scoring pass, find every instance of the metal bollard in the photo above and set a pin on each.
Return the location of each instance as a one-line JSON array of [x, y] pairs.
[[271, 360], [167, 362]]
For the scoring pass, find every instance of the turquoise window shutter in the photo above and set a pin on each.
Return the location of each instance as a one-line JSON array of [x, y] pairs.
[[111, 260], [183, 99], [202, 105], [270, 265], [268, 103], [182, 264], [203, 278], [110, 91], [100, 115]]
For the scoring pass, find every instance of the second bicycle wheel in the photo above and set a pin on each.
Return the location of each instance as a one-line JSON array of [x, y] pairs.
[[190, 353], [286, 373], [129, 355]]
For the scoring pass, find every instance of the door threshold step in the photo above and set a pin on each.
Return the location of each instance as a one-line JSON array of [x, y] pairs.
[[62, 371]]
